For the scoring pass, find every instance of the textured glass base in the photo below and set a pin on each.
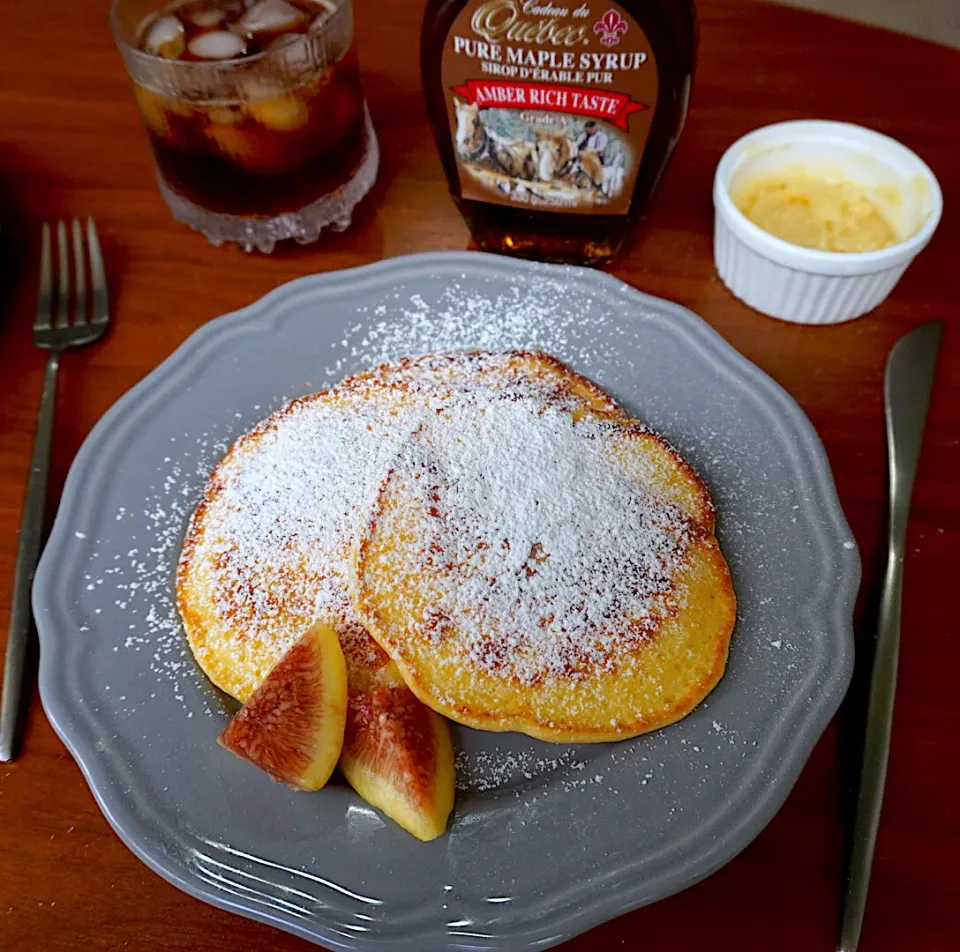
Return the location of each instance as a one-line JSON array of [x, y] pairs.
[[304, 226]]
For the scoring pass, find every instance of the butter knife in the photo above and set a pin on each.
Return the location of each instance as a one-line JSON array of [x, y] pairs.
[[907, 385]]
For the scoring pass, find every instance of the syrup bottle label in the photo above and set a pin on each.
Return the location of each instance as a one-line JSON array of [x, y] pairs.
[[550, 103]]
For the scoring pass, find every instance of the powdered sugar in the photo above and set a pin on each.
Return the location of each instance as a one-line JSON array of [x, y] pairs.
[[302, 494], [269, 549], [537, 314], [485, 770], [279, 531], [138, 578], [140, 572], [554, 550]]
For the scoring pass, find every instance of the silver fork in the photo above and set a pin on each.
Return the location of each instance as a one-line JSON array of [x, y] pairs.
[[55, 334]]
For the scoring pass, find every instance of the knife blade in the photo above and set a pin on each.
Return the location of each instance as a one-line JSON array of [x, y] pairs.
[[907, 385]]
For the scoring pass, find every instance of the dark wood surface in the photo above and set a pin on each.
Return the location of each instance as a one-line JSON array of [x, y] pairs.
[[71, 143]]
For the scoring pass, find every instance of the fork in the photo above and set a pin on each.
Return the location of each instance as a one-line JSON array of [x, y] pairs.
[[56, 335]]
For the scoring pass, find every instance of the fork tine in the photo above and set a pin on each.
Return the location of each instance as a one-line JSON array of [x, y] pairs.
[[63, 288], [98, 277], [45, 295], [80, 278]]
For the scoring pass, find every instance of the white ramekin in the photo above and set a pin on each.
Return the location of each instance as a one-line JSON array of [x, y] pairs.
[[822, 287]]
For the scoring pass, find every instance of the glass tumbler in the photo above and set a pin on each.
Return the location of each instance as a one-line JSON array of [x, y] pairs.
[[257, 148]]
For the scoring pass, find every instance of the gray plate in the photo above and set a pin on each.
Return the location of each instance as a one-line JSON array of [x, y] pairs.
[[547, 840]]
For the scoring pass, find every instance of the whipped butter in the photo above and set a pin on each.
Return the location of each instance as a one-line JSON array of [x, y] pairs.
[[821, 211]]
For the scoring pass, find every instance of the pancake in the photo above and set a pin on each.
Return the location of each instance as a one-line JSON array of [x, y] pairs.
[[531, 569], [268, 549]]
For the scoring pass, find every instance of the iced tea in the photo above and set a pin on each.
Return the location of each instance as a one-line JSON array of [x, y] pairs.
[[255, 113]]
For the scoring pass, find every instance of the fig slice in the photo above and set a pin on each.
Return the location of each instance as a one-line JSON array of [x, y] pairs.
[[397, 754], [292, 726]]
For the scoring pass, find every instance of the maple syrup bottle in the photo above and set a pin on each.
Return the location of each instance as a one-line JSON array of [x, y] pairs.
[[555, 119]]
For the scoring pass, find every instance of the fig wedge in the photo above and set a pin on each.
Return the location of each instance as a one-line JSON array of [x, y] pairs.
[[397, 754], [292, 726]]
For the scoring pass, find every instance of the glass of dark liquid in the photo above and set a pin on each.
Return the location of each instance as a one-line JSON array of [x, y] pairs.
[[255, 112]]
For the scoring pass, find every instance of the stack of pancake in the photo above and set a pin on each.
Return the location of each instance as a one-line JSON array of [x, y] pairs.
[[490, 529]]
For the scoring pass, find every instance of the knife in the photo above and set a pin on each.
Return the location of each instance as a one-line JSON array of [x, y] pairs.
[[907, 385]]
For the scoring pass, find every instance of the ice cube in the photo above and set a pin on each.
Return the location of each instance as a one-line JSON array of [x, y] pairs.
[[224, 115], [257, 88], [322, 19], [263, 155], [270, 104], [219, 45], [294, 51], [282, 113], [270, 16], [165, 37], [206, 17]]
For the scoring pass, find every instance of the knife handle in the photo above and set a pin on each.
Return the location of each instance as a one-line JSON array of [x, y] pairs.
[[876, 750]]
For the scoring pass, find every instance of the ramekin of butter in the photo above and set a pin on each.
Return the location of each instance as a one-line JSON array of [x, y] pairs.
[[816, 221]]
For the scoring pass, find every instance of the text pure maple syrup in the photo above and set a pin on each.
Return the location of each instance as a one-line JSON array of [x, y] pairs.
[[555, 119]]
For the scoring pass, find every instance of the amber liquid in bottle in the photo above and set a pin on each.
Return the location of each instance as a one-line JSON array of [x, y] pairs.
[[552, 149]]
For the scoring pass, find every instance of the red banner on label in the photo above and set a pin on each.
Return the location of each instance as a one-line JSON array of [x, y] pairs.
[[599, 103]]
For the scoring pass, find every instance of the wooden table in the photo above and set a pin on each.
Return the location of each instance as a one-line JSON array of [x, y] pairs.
[[72, 144]]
